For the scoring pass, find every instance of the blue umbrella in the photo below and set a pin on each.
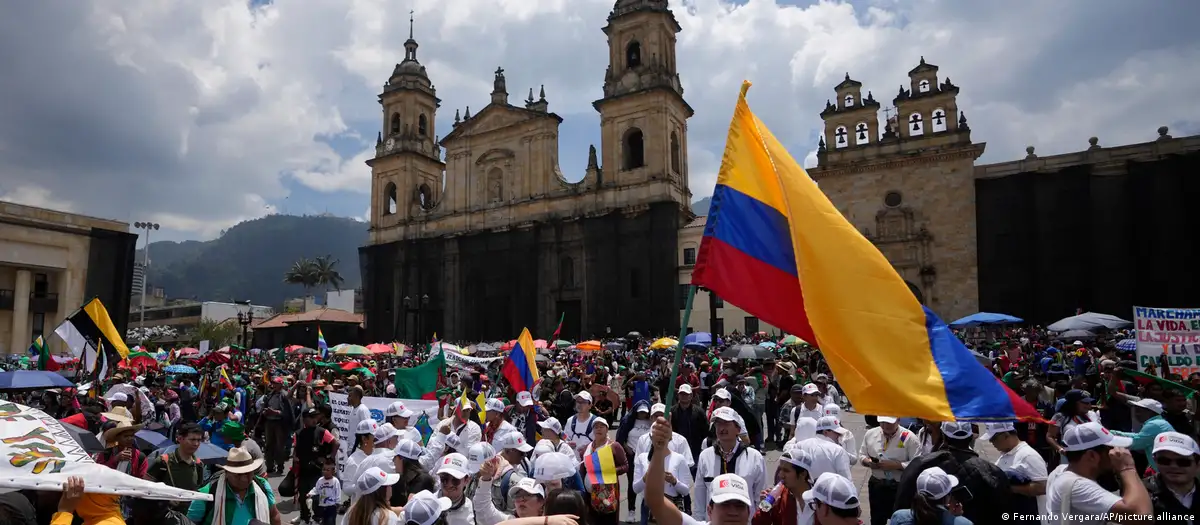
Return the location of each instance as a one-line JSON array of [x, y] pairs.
[[985, 318], [179, 369], [27, 380], [208, 453], [1127, 345], [698, 340]]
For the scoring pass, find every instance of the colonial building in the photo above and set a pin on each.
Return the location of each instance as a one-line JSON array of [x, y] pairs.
[[1036, 238], [51, 262], [477, 233]]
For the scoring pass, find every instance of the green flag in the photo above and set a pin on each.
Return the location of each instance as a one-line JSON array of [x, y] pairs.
[[39, 350], [421, 382]]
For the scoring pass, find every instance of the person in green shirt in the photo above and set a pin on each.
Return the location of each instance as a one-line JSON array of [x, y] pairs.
[[239, 495]]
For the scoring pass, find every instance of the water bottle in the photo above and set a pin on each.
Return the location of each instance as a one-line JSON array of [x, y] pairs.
[[768, 501]]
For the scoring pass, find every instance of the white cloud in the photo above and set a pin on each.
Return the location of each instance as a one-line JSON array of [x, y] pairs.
[[38, 196], [182, 109]]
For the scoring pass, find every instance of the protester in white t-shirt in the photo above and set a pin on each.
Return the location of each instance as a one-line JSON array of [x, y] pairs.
[[1074, 497], [1019, 460]]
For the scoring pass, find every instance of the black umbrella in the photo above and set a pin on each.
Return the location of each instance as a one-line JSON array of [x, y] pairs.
[[633, 335], [90, 443], [208, 453], [148, 440], [747, 352]]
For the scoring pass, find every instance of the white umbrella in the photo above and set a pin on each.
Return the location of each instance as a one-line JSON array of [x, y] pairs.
[[1089, 321], [130, 391], [42, 455]]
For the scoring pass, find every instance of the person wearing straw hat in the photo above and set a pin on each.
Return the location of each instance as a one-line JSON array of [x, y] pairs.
[[239, 495], [119, 451]]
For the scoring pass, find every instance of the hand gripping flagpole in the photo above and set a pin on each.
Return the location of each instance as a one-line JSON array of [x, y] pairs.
[[687, 314]]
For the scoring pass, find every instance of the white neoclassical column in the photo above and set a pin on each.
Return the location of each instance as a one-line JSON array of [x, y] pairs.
[[20, 317]]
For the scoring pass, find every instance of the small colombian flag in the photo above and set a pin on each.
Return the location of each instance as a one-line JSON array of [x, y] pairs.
[[600, 466]]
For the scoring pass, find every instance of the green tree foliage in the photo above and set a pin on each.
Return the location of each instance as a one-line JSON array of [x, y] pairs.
[[248, 260], [218, 334]]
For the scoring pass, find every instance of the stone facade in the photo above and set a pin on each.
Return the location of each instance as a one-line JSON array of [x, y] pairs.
[[910, 189], [453, 234], [50, 263]]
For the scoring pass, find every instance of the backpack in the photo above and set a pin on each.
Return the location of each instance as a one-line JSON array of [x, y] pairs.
[[586, 431]]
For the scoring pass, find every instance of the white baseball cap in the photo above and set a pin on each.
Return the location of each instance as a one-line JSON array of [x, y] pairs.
[[372, 479], [833, 490], [543, 446], [524, 399], [118, 397], [424, 508], [512, 440], [1149, 404], [730, 487], [478, 454], [642, 407], [833, 410], [397, 409], [408, 449], [584, 395], [798, 458], [828, 423], [1090, 435], [454, 464], [600, 421], [957, 429], [685, 388], [658, 408], [935, 483], [552, 425], [723, 394], [811, 389], [992, 429], [367, 426], [385, 432], [886, 419], [553, 466], [495, 405], [528, 486], [727, 414], [1181, 444]]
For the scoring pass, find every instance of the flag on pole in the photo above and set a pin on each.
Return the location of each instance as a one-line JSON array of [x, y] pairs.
[[225, 381], [771, 228], [558, 330], [89, 328], [480, 402], [420, 382], [324, 348], [39, 350], [520, 369], [601, 467]]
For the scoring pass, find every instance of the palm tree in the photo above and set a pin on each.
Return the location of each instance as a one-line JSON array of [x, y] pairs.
[[303, 272], [327, 274]]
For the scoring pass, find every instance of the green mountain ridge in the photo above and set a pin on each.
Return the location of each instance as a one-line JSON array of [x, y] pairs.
[[248, 261]]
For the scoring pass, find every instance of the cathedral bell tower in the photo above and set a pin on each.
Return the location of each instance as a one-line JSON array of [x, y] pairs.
[[643, 116], [406, 173]]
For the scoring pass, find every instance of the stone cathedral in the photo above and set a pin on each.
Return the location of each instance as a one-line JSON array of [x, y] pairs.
[[477, 234]]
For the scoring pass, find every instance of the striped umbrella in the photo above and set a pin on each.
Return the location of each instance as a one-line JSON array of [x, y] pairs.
[[1127, 345]]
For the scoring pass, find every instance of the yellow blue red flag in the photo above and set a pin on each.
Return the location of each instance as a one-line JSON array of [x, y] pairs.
[[520, 369], [777, 247], [601, 467]]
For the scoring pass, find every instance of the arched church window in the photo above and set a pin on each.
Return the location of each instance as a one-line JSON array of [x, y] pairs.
[[566, 272], [633, 149], [425, 194], [916, 125], [862, 135], [939, 120], [675, 153], [839, 140], [633, 54], [849, 101], [422, 125], [923, 86], [389, 198], [395, 123], [495, 185]]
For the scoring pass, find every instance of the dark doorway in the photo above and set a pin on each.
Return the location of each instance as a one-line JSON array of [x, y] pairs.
[[572, 315], [916, 292]]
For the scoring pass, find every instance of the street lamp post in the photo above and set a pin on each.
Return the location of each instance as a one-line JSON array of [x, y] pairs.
[[147, 226], [245, 320], [411, 305]]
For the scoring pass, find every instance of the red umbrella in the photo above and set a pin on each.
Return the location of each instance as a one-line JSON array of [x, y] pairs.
[[509, 345], [189, 351]]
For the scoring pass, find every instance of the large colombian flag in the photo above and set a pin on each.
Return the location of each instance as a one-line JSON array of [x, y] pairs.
[[775, 246], [520, 369]]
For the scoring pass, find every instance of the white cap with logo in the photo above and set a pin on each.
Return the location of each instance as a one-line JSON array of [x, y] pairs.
[[454, 464], [495, 405], [996, 428], [1181, 444], [1090, 435], [552, 425], [658, 408], [528, 486], [957, 429], [524, 399], [512, 440], [553, 466], [372, 479], [408, 449], [477, 455], [397, 409], [833, 490], [367, 426], [729, 487], [584, 395], [685, 388]]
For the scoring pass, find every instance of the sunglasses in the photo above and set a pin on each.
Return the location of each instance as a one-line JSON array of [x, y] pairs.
[[1180, 462]]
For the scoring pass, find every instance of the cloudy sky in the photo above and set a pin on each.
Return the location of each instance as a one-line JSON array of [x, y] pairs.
[[200, 113]]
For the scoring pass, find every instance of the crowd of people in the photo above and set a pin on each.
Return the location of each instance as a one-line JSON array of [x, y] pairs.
[[1112, 447]]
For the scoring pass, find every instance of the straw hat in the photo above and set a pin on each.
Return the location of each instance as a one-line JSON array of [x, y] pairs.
[[109, 437], [239, 461], [119, 414]]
